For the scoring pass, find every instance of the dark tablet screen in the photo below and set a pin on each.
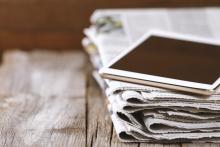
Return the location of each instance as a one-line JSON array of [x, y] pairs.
[[173, 58]]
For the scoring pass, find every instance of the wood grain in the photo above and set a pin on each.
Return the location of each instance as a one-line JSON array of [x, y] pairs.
[[48, 98], [59, 23], [99, 124], [42, 103]]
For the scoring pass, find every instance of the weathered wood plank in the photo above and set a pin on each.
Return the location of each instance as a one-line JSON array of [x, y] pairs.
[[99, 124], [42, 101]]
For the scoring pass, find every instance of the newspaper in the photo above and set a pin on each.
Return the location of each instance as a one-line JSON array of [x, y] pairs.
[[144, 113], [202, 22]]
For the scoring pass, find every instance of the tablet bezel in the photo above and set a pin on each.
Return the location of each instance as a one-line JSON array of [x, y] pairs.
[[146, 79]]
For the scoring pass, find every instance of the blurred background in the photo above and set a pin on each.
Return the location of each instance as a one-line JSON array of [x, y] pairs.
[[58, 24]]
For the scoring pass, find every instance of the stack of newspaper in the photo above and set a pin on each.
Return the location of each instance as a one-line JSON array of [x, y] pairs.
[[144, 113]]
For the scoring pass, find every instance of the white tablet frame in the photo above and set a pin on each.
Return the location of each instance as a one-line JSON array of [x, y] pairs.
[[145, 79]]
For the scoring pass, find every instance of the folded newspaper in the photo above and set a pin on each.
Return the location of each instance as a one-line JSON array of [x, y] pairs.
[[144, 113]]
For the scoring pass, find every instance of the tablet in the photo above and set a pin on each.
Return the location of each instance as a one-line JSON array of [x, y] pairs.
[[169, 60]]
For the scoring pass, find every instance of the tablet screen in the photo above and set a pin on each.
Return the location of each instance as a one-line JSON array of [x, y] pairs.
[[173, 58]]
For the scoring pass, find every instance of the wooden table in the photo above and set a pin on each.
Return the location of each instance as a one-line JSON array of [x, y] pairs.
[[50, 99]]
